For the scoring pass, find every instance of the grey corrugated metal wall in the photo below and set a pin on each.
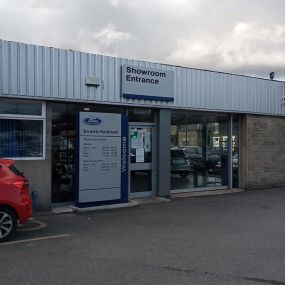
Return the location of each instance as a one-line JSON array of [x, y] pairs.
[[50, 73]]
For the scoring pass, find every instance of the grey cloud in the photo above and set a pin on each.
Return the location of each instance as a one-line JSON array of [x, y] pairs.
[[240, 36]]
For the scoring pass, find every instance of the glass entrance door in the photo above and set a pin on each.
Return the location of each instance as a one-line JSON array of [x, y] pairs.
[[142, 176]]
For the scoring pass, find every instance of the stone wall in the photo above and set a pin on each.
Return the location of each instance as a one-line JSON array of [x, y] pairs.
[[265, 151]]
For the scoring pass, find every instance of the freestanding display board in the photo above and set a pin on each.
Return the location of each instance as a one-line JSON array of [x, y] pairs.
[[102, 159]]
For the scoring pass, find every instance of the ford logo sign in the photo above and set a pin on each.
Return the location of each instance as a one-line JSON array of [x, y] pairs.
[[92, 121]]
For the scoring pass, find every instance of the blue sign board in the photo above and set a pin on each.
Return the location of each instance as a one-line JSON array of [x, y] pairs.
[[102, 159]]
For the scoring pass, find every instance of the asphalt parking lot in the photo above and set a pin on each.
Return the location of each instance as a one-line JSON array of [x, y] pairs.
[[229, 239]]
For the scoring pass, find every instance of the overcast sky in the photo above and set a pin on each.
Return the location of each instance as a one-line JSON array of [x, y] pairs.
[[239, 36]]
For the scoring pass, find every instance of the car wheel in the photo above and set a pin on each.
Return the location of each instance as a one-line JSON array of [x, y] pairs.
[[184, 173], [8, 223]]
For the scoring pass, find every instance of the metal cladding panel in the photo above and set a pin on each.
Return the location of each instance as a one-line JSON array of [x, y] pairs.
[[30, 71]]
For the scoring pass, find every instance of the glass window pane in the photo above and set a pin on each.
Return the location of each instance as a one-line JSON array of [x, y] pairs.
[[217, 151], [178, 130], [21, 138], [140, 181], [203, 141], [141, 145], [145, 115], [235, 152], [63, 146], [20, 108], [63, 151]]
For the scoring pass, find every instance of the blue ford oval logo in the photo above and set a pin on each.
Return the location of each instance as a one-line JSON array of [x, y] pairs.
[[92, 121]]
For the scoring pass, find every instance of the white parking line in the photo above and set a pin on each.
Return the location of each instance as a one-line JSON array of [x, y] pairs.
[[40, 225], [33, 239]]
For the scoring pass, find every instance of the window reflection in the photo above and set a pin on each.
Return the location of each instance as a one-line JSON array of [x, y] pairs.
[[141, 181], [145, 115], [63, 146], [203, 141], [235, 148], [21, 138], [20, 108]]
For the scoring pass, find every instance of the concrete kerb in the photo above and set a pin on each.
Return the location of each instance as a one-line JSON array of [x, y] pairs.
[[132, 203], [65, 209], [141, 201], [206, 193], [104, 207]]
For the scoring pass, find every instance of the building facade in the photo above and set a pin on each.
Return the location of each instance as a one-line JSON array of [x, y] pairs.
[[189, 129]]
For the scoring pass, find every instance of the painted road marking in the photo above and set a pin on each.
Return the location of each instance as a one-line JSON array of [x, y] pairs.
[[33, 239], [40, 225]]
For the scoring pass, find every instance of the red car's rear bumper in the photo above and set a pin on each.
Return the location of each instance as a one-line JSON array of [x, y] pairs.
[[25, 209]]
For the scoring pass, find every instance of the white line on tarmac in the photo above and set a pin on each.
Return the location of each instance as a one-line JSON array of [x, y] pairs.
[[33, 239], [40, 224]]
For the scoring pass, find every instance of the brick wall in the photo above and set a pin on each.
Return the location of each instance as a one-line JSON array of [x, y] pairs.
[[265, 151]]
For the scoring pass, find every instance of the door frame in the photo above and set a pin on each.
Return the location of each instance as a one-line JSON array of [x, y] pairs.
[[151, 166]]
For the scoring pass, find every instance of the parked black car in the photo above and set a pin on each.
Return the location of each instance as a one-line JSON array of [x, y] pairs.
[[179, 163], [194, 154]]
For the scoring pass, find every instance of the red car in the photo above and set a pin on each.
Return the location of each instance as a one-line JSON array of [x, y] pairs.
[[15, 201]]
